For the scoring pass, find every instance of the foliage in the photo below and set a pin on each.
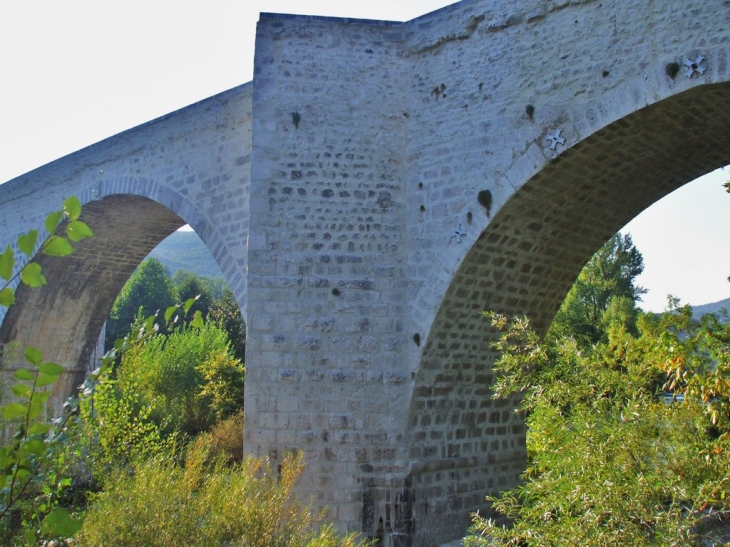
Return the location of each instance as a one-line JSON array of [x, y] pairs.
[[26, 459], [148, 289], [189, 285], [612, 460], [227, 315], [116, 426], [205, 503], [226, 438], [166, 376], [604, 293], [223, 383]]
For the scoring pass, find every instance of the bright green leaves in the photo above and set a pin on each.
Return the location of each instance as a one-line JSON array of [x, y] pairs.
[[197, 321], [51, 369], [189, 303], [54, 245], [58, 523], [21, 390], [72, 208], [24, 374], [46, 374], [33, 356], [7, 263], [77, 230], [31, 275], [57, 246], [169, 312], [27, 242], [23, 459], [53, 220], [7, 297], [14, 410]]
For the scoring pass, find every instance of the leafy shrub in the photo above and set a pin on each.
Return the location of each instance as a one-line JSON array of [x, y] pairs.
[[205, 502], [226, 438], [223, 383], [116, 424], [167, 374], [227, 315], [610, 462]]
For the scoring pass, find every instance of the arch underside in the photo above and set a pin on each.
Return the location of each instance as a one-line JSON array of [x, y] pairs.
[[64, 318], [465, 443]]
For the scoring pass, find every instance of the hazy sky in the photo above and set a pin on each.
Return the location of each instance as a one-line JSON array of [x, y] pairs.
[[77, 71]]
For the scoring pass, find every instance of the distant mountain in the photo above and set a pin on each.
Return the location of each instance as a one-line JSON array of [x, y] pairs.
[[714, 307], [186, 251]]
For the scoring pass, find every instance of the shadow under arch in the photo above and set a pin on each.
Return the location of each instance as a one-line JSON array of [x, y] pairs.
[[63, 318], [463, 443]]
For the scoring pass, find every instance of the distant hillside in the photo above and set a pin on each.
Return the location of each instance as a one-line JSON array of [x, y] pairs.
[[186, 251], [699, 311]]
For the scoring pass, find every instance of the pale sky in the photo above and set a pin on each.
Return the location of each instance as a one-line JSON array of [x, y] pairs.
[[74, 72]]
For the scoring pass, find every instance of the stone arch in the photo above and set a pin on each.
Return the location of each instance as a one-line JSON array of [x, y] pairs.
[[467, 444], [129, 218]]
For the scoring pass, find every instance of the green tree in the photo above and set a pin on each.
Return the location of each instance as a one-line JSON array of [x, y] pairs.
[[227, 315], [604, 293], [149, 289], [188, 285]]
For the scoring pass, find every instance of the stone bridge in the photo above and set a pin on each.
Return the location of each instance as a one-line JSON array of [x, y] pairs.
[[374, 188]]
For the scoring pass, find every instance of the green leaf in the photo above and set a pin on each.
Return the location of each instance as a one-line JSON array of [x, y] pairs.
[[169, 313], [41, 397], [6, 466], [189, 303], [72, 207], [29, 535], [24, 374], [21, 390], [23, 472], [7, 263], [45, 379], [33, 356], [58, 246], [53, 220], [52, 369], [39, 429], [149, 323], [14, 410], [77, 230], [197, 321], [27, 242], [58, 523], [33, 446], [7, 297], [36, 408], [31, 275]]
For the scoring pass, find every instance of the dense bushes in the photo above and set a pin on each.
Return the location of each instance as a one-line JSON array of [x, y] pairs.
[[205, 502], [613, 458]]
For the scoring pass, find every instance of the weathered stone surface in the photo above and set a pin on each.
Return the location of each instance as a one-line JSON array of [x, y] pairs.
[[331, 188]]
